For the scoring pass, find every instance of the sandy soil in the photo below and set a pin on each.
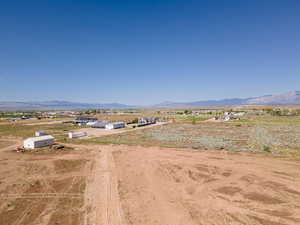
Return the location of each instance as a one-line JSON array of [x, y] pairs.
[[42, 188], [114, 185], [164, 186]]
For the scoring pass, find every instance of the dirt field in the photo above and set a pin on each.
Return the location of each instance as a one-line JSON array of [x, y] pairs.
[[41, 188], [160, 186], [128, 185]]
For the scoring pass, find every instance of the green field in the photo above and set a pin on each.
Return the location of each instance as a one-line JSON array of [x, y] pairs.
[[24, 131]]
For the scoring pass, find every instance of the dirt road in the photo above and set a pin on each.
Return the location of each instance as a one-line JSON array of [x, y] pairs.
[[123, 185], [102, 191]]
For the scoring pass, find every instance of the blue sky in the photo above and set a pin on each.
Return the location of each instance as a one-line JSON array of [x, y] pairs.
[[145, 52]]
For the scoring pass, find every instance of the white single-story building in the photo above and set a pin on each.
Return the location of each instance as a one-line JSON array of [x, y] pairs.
[[38, 142], [99, 124], [40, 133], [115, 125], [239, 113], [91, 123], [77, 134]]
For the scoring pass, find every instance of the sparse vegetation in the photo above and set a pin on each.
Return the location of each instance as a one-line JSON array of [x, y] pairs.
[[266, 148], [24, 131], [256, 134]]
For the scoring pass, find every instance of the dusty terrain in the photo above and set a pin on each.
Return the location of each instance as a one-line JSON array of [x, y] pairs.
[[163, 186], [96, 184]]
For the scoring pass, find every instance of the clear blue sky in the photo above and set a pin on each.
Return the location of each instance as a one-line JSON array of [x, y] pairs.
[[144, 52]]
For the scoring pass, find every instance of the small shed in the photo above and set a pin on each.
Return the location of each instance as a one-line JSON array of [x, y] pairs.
[[38, 142], [40, 133], [77, 134], [115, 125]]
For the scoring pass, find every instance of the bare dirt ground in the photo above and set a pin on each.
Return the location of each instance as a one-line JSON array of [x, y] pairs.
[[123, 185], [164, 186], [42, 188]]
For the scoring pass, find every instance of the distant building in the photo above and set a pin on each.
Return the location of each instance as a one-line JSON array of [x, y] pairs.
[[38, 142], [77, 134], [91, 123], [40, 133], [238, 113], [84, 120], [99, 124], [147, 120], [115, 125]]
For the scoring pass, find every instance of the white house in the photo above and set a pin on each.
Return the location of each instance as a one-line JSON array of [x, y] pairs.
[[115, 125], [38, 142]]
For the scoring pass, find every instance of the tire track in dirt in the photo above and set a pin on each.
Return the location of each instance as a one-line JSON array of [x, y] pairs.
[[102, 197], [23, 215], [13, 146], [116, 215], [40, 195]]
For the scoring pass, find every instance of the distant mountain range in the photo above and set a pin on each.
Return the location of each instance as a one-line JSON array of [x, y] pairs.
[[290, 98], [58, 105]]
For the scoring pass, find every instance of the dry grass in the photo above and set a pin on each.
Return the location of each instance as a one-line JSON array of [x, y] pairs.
[[277, 134], [24, 131]]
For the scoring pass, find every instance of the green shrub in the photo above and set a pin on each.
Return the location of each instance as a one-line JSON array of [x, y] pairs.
[[193, 120], [266, 148]]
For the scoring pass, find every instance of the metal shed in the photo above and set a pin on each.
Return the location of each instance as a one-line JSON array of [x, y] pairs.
[[77, 134], [40, 133], [91, 123], [99, 124], [38, 142], [115, 125]]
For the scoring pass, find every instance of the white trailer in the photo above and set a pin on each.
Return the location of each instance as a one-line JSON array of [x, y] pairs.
[[77, 134], [115, 125], [38, 142], [40, 133]]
